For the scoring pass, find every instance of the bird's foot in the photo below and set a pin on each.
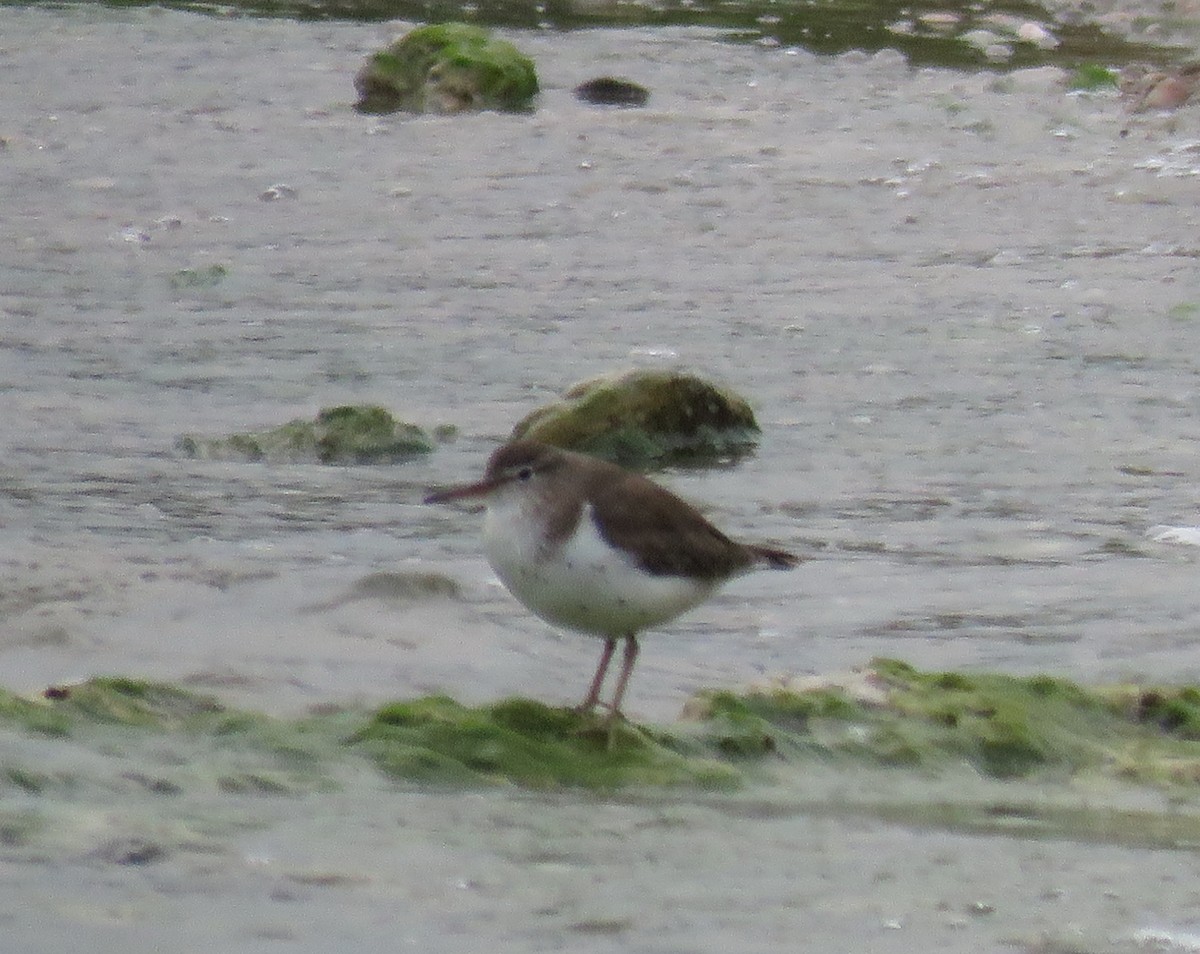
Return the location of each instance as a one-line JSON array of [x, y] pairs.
[[607, 726], [604, 726], [589, 706]]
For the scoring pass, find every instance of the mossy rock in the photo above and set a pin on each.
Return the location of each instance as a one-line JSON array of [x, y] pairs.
[[446, 68], [647, 418], [349, 434]]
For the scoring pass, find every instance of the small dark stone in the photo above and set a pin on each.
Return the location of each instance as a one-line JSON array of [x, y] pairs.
[[57, 692], [131, 851], [610, 91], [159, 786]]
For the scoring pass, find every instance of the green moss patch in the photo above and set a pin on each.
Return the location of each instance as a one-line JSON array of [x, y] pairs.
[[1093, 76], [431, 741], [645, 418], [347, 434], [132, 702], [31, 716], [1001, 726], [522, 742], [168, 740], [889, 718], [191, 279]]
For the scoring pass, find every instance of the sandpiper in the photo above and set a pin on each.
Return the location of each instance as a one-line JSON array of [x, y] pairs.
[[589, 546]]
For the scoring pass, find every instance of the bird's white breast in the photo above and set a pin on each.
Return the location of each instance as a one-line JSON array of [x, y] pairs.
[[582, 583]]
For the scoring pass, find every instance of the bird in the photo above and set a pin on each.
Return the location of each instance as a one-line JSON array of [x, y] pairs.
[[587, 545], [1146, 89]]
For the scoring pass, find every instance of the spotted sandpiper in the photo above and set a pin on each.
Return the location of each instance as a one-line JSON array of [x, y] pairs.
[[595, 548]]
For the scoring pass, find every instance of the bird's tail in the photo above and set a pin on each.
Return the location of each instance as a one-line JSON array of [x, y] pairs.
[[775, 559]]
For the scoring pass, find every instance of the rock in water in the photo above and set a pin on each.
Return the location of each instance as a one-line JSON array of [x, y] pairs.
[[644, 418], [610, 91], [446, 68]]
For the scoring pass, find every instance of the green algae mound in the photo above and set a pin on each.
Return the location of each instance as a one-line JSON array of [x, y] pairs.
[[109, 701], [522, 742], [116, 700], [1001, 726], [892, 720], [348, 434], [166, 740], [446, 68], [430, 741], [647, 418]]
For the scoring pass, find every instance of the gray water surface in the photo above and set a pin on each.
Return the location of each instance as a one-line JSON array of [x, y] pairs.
[[965, 307]]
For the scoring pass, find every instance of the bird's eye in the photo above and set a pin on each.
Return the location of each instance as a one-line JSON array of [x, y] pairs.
[[524, 473]]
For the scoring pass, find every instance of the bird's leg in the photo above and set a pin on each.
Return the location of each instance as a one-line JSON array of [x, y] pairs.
[[593, 695], [631, 654]]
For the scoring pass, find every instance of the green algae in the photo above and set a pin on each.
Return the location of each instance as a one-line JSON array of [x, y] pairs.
[[432, 740], [1093, 76], [346, 434], [31, 716], [446, 68], [1173, 711], [647, 417], [522, 742], [1003, 727], [893, 719], [198, 278], [1184, 311], [747, 725], [205, 743], [134, 703]]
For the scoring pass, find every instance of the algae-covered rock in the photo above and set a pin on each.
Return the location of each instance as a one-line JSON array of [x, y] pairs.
[[228, 749], [518, 741], [446, 68], [1002, 726], [889, 718], [430, 740], [349, 434], [643, 418]]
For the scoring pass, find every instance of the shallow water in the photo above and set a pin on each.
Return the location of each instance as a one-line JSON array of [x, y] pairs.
[[965, 307]]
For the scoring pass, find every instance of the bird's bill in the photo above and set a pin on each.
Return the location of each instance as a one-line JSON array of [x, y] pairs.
[[465, 492]]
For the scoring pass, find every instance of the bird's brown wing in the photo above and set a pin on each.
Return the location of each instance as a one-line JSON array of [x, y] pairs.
[[669, 536], [773, 557]]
